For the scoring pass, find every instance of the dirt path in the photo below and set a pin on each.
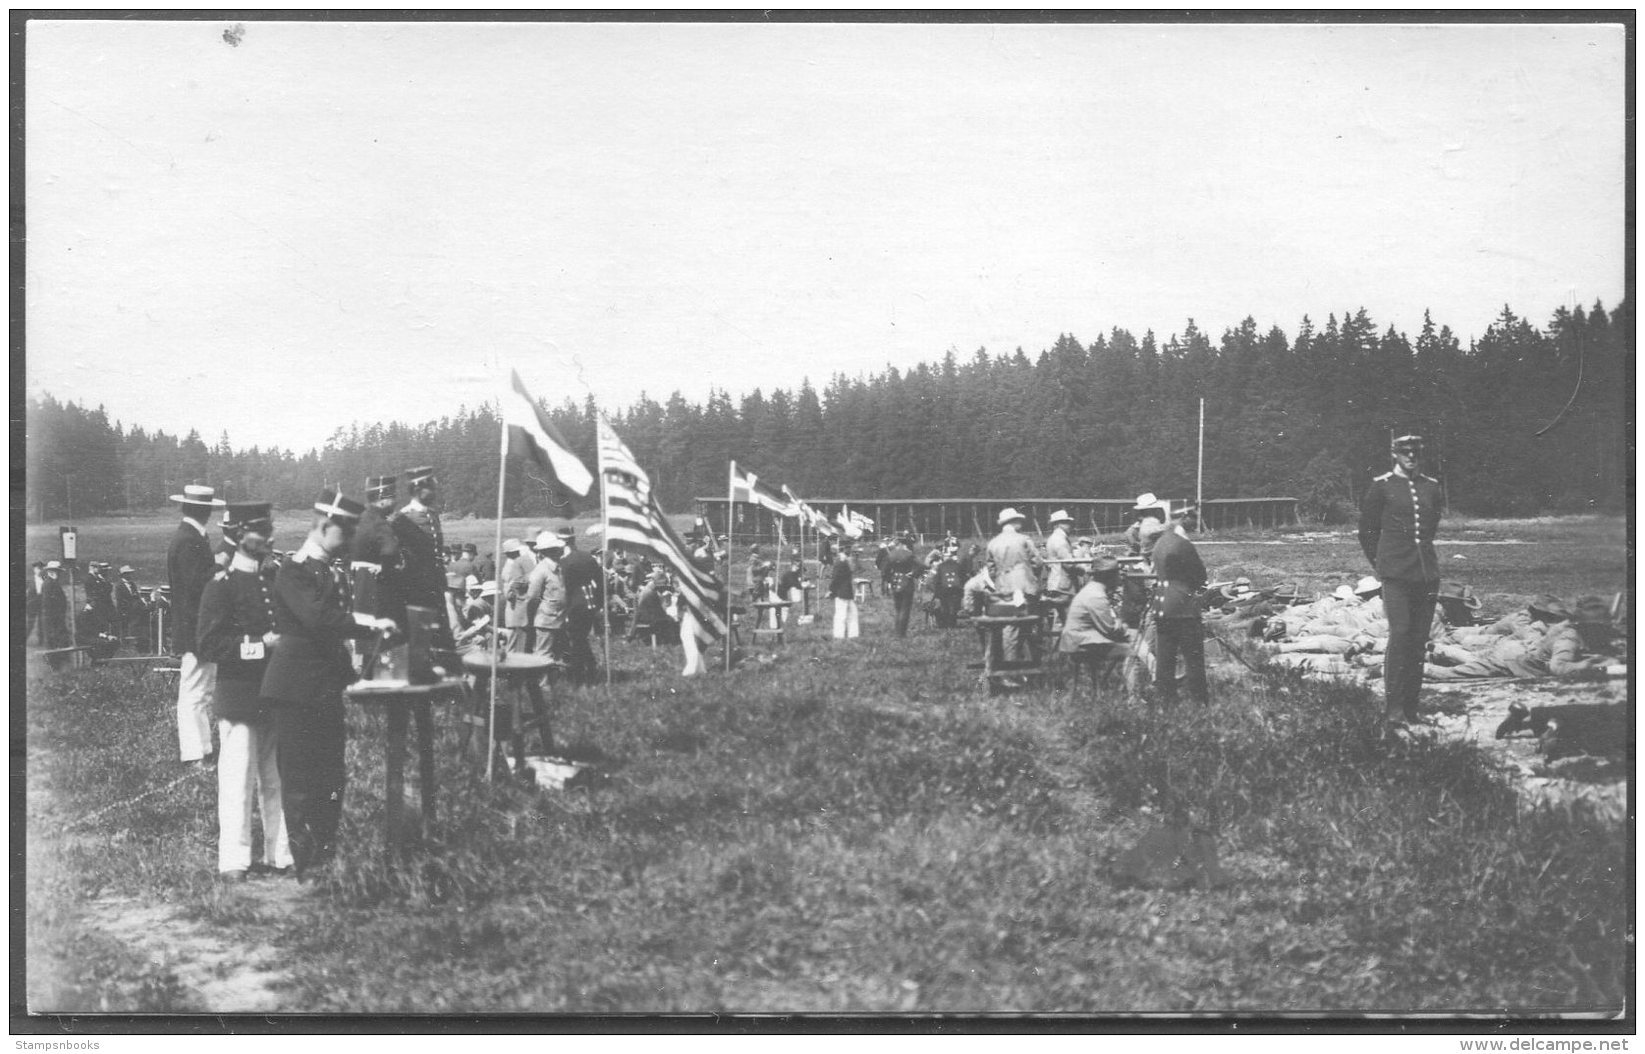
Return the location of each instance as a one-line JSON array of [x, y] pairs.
[[222, 974]]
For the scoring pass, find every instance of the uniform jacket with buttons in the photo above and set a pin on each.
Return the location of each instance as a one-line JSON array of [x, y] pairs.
[[1179, 577], [310, 666], [422, 577], [190, 566], [234, 606], [1397, 523]]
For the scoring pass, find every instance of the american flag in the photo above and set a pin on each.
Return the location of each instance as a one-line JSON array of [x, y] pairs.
[[634, 521]]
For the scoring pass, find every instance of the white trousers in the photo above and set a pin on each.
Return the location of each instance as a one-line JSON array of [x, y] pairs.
[[693, 645], [247, 776], [845, 619], [195, 683]]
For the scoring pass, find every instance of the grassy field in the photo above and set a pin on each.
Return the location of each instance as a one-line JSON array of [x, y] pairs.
[[857, 827]]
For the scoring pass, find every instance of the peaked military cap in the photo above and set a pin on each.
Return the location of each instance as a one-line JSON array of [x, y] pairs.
[[421, 476], [1411, 444], [379, 488], [339, 507], [250, 516]]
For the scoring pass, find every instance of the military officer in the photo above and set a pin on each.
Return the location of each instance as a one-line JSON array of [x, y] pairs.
[[377, 549], [236, 632], [190, 565], [1179, 591], [417, 529], [306, 676], [1397, 523], [585, 600]]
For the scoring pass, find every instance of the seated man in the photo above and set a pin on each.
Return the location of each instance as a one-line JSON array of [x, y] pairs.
[[651, 611], [1092, 619]]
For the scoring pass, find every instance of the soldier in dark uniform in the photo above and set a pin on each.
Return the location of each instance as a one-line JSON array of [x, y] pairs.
[[376, 550], [422, 543], [236, 631], [949, 587], [190, 565], [1397, 523], [584, 600], [306, 676], [1179, 591], [902, 576]]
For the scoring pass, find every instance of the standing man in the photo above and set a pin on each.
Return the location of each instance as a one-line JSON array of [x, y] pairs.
[[544, 603], [1147, 508], [1179, 592], [791, 587], [236, 633], [1397, 523], [844, 591], [950, 586], [902, 572], [190, 565], [584, 600], [422, 543], [306, 676], [1057, 547], [54, 613], [31, 602], [1016, 569], [377, 549], [513, 587], [128, 603]]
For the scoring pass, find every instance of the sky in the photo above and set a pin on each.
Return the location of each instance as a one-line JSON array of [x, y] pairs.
[[326, 223]]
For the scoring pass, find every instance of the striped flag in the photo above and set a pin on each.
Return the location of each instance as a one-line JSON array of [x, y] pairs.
[[747, 487], [636, 522], [808, 515], [528, 432]]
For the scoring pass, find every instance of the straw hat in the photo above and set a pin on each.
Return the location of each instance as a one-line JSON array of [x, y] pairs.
[[199, 494], [1009, 515], [1060, 516]]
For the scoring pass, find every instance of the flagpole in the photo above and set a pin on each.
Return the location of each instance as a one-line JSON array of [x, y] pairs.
[[730, 500], [496, 600], [605, 555]]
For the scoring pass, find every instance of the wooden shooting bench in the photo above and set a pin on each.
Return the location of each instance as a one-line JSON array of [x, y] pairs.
[[403, 701], [864, 588], [768, 619], [996, 668]]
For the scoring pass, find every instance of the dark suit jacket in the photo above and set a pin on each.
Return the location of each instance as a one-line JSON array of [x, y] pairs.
[[423, 578], [1180, 577], [579, 570], [190, 567], [310, 667]]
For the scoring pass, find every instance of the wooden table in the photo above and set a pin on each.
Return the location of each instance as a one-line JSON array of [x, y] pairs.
[[521, 672], [402, 701], [768, 619], [997, 668]]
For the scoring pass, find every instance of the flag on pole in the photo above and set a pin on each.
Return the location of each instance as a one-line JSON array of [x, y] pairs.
[[809, 516], [637, 523], [528, 432], [848, 523], [747, 487]]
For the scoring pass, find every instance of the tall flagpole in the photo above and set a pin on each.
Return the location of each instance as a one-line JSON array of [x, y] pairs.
[[730, 544], [496, 599], [605, 557], [1199, 486]]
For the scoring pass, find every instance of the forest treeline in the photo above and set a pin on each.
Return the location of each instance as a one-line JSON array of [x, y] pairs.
[[1525, 420]]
